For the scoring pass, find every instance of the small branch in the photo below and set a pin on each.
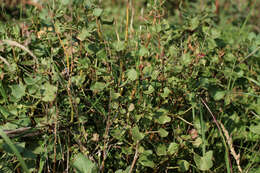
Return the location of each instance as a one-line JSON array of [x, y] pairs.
[[252, 53], [16, 44], [22, 132], [5, 61], [135, 158]]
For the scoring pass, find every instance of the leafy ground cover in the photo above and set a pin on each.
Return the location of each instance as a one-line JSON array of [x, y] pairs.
[[130, 86]]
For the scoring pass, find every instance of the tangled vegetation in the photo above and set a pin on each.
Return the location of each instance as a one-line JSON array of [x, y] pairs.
[[130, 86]]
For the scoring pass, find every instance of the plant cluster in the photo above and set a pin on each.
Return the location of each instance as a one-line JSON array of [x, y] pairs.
[[125, 86]]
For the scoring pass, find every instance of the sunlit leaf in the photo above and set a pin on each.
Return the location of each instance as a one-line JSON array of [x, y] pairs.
[[143, 51], [173, 148], [119, 45], [166, 92], [164, 119], [163, 133], [137, 135], [97, 12], [150, 90], [183, 165], [204, 163], [161, 150], [83, 165], [98, 86], [255, 128], [218, 95], [146, 161], [18, 91], [49, 93], [194, 23], [83, 34], [132, 74]]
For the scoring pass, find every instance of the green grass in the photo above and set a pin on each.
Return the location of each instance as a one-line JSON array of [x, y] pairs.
[[130, 86]]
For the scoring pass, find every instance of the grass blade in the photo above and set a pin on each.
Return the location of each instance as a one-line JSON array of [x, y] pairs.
[[13, 148]]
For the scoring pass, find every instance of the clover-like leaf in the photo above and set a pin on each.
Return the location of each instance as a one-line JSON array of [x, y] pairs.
[[49, 93], [97, 12], [163, 119], [183, 165], [255, 128], [137, 135], [146, 161], [98, 86], [143, 51], [83, 34], [150, 90], [84, 165], [173, 148], [161, 150], [132, 74], [163, 133], [204, 163], [119, 45], [166, 92], [18, 91]]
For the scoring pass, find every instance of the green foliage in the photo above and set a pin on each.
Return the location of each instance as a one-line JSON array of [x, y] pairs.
[[86, 88], [83, 165]]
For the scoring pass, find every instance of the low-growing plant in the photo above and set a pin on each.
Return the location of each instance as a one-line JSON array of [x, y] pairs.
[[130, 86]]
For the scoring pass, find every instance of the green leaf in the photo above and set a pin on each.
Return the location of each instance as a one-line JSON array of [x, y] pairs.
[[173, 148], [194, 23], [230, 57], [32, 80], [161, 150], [211, 43], [204, 163], [118, 133], [163, 119], [218, 95], [119, 45], [132, 74], [18, 91], [136, 134], [97, 12], [98, 86], [150, 90], [163, 133], [83, 165], [215, 33], [197, 142], [186, 59], [14, 149], [65, 2], [184, 165], [166, 92], [49, 93], [155, 74], [115, 96], [2, 91], [4, 112], [143, 51], [78, 80], [255, 128], [45, 17], [131, 107], [83, 34], [145, 161]]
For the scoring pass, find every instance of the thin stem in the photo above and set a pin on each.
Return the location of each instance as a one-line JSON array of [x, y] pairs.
[[135, 158]]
